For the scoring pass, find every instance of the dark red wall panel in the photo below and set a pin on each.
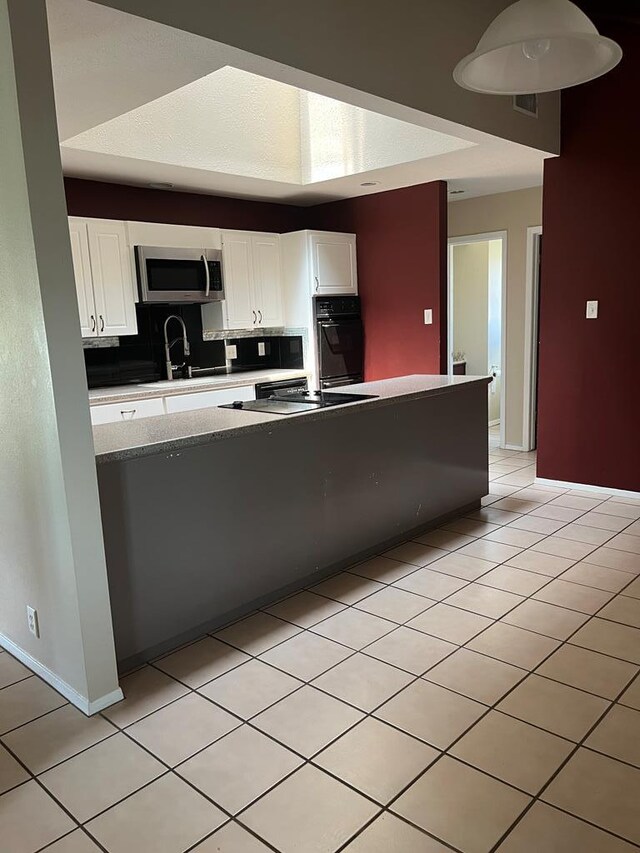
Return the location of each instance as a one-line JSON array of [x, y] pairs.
[[141, 204], [588, 391], [402, 245]]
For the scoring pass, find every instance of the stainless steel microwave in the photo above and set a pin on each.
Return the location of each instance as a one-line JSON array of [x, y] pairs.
[[179, 275]]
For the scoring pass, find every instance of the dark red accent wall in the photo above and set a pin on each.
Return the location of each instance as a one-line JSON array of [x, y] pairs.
[[401, 244], [141, 204], [402, 265], [589, 386]]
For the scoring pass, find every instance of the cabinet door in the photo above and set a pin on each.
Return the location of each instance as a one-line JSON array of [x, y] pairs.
[[333, 263], [128, 411], [112, 278], [209, 399], [238, 280], [267, 280], [82, 275]]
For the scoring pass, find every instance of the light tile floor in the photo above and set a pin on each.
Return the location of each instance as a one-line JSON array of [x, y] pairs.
[[475, 690]]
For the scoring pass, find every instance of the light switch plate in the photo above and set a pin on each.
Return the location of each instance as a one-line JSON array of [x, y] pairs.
[[261, 348], [592, 310], [428, 316], [231, 352]]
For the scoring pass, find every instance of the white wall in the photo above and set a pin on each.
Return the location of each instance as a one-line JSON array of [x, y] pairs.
[[494, 346], [512, 212], [471, 305], [51, 553]]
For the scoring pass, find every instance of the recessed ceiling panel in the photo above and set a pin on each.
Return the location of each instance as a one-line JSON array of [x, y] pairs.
[[238, 123]]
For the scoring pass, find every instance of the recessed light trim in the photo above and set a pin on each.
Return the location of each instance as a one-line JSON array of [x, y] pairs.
[[160, 185], [456, 192], [370, 184]]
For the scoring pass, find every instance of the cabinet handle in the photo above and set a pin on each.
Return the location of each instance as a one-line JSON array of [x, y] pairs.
[[260, 316], [254, 317], [93, 323], [124, 412], [317, 283], [101, 323], [207, 276]]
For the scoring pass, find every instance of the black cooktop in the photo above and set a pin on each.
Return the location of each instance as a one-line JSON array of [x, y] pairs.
[[302, 401]]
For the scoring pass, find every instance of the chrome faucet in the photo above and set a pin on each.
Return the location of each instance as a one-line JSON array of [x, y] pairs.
[[168, 345]]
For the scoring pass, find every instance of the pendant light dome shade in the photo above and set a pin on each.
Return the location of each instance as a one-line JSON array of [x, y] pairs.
[[537, 46]]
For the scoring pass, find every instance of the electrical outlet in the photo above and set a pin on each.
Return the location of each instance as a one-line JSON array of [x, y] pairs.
[[261, 348], [231, 352], [32, 621], [592, 310], [428, 316]]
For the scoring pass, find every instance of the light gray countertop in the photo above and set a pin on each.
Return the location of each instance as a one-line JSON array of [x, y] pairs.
[[166, 388], [173, 433]]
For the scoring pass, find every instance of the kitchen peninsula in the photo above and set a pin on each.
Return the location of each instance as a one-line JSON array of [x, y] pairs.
[[210, 513]]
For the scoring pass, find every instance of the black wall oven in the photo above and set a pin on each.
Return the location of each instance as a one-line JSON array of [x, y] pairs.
[[340, 340]]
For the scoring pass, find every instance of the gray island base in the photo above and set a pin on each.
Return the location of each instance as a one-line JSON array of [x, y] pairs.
[[208, 515]]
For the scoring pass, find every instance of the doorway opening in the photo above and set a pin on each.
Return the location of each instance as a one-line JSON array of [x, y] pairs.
[[476, 311]]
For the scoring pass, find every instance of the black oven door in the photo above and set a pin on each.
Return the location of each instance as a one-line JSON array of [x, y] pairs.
[[340, 347]]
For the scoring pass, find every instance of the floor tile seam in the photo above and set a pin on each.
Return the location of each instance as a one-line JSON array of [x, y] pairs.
[[608, 755], [33, 720], [494, 705], [49, 794], [600, 566], [243, 827], [404, 623], [590, 586], [539, 796], [84, 749], [76, 829], [573, 752], [402, 819], [18, 680]]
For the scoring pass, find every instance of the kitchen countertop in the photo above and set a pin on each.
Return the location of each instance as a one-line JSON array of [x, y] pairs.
[[172, 433], [167, 388]]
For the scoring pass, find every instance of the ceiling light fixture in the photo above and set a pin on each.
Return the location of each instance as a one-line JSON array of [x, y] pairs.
[[370, 183], [160, 185], [537, 46]]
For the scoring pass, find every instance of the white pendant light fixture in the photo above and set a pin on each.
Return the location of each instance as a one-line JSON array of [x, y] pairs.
[[537, 46]]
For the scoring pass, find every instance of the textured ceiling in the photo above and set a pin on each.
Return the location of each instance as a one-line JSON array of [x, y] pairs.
[[238, 123], [139, 102]]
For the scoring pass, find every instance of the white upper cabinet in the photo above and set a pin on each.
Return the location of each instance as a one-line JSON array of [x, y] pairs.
[[267, 279], [113, 284], [104, 277], [82, 275], [333, 263], [172, 236], [252, 283], [237, 268]]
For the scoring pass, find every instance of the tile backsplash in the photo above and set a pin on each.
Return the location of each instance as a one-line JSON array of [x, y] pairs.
[[140, 358]]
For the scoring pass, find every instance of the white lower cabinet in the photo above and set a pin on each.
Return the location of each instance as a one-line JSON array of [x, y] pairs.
[[208, 399], [109, 413], [131, 410]]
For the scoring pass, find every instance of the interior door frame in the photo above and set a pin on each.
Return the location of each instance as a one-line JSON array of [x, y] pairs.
[[461, 241], [532, 295]]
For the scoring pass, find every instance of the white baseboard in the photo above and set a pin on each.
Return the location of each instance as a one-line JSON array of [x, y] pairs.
[[585, 487], [517, 447], [81, 702]]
